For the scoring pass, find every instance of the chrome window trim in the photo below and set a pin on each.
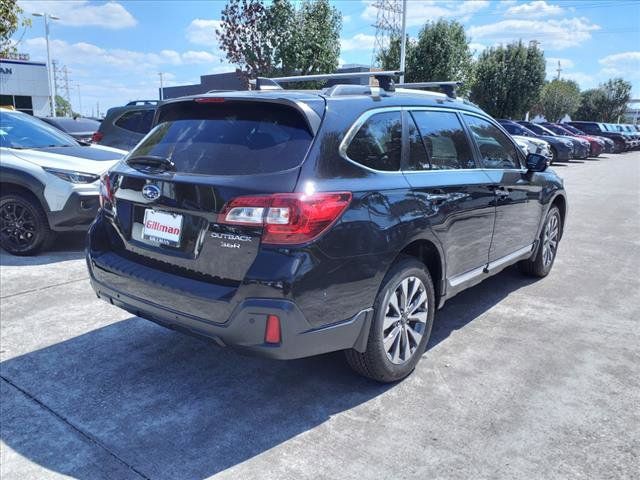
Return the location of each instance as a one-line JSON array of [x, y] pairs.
[[355, 126]]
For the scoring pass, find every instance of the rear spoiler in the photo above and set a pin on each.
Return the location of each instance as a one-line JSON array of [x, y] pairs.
[[311, 117]]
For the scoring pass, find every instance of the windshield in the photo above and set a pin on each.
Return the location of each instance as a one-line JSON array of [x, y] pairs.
[[556, 129], [78, 125], [573, 129], [234, 138], [19, 130], [540, 130]]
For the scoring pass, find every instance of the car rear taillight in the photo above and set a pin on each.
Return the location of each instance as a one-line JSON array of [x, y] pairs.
[[272, 330], [106, 193], [96, 137], [287, 218]]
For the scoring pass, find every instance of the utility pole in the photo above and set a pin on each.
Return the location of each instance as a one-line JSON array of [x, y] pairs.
[[79, 99], [559, 69], [56, 72], [403, 41], [161, 87], [66, 84], [52, 96], [388, 25]]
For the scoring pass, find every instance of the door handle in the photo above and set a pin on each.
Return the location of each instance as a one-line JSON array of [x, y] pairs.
[[437, 197]]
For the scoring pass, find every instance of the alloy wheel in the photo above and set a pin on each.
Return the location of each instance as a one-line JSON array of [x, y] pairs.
[[405, 320], [550, 239], [17, 225]]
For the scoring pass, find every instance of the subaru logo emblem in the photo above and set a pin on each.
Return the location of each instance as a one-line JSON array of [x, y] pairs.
[[150, 192]]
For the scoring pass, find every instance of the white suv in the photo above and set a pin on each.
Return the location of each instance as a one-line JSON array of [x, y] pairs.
[[48, 182]]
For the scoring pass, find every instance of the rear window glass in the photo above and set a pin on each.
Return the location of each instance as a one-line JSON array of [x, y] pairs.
[[76, 125], [231, 138], [378, 143], [138, 121]]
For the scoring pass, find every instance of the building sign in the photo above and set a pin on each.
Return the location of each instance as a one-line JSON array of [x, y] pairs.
[[6, 71], [23, 57]]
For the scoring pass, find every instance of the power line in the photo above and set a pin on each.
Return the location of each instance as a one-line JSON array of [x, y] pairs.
[[388, 25]]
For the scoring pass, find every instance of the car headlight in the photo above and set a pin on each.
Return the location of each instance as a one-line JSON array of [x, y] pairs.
[[72, 176]]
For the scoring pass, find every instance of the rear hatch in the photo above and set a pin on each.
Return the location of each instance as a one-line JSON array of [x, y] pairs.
[[167, 195]]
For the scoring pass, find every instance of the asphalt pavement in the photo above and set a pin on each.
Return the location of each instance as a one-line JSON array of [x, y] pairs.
[[522, 379]]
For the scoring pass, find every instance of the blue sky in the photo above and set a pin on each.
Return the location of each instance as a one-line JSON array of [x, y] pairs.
[[114, 50]]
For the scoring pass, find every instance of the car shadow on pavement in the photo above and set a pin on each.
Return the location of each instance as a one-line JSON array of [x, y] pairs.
[[470, 304], [67, 246], [171, 406]]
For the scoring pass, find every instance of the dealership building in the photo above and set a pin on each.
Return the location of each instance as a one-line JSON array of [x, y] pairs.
[[24, 85]]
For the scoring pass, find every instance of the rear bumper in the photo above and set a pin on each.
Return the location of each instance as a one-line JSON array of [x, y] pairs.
[[243, 328]]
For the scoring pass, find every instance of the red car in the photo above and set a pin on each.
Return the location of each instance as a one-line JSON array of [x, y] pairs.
[[596, 145]]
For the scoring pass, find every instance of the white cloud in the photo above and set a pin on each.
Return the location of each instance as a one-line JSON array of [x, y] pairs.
[[535, 9], [624, 64], [199, 57], [565, 63], [421, 11], [552, 34], [82, 13], [477, 48], [359, 41], [115, 76], [584, 80], [202, 31]]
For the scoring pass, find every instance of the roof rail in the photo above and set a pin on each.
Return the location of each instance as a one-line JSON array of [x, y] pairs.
[[385, 79], [449, 88], [142, 102]]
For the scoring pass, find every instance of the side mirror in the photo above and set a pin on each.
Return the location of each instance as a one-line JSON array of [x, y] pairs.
[[536, 163]]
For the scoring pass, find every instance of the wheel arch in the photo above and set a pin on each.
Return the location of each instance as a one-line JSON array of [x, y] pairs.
[[428, 252]]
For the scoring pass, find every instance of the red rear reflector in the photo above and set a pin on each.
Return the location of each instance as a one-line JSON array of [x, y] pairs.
[[272, 331], [210, 100], [287, 218], [96, 137]]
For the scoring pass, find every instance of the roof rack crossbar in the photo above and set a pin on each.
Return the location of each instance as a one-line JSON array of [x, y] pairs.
[[385, 79], [449, 88]]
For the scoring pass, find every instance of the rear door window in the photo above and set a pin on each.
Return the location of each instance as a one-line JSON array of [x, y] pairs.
[[378, 142], [228, 138], [444, 139]]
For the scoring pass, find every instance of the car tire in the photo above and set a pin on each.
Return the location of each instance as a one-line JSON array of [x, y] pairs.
[[398, 322], [554, 156], [24, 229], [548, 242]]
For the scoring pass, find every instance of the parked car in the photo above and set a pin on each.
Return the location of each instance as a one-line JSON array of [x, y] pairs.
[[596, 146], [535, 145], [123, 127], [631, 131], [580, 147], [80, 128], [596, 128], [279, 222], [609, 145], [561, 149], [48, 182]]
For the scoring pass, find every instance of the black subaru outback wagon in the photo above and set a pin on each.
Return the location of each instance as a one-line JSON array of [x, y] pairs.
[[295, 223]]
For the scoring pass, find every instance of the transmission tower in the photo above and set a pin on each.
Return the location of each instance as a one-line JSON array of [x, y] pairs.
[[388, 25]]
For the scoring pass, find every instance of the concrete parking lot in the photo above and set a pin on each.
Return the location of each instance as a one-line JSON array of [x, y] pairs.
[[521, 379]]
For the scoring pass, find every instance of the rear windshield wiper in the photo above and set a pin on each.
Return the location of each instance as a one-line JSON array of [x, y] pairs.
[[150, 162]]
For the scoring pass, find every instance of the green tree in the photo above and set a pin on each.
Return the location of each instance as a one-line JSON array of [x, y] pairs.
[[592, 103], [559, 98], [607, 103], [508, 80], [63, 107], [280, 39], [389, 58], [440, 53], [10, 13], [618, 94]]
